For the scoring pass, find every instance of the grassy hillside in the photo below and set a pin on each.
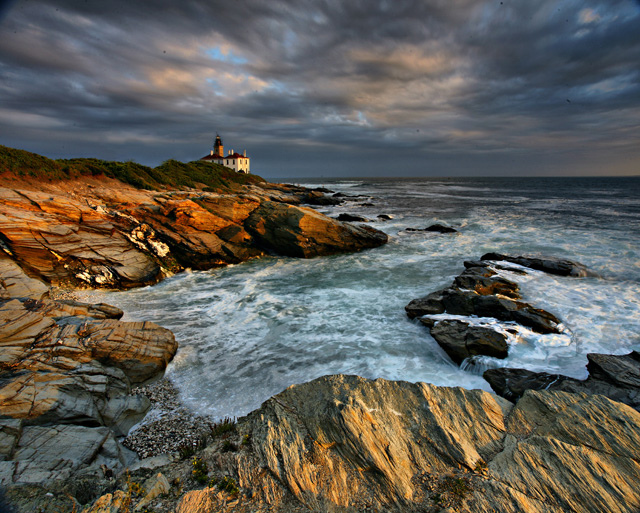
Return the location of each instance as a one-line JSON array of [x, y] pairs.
[[170, 174]]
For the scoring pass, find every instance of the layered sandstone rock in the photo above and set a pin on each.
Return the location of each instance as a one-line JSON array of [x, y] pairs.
[[119, 237], [61, 240], [67, 365]]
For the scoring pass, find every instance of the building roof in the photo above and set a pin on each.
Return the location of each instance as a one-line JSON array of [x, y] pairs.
[[218, 157]]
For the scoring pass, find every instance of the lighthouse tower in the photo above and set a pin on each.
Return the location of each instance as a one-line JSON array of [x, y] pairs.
[[218, 148]]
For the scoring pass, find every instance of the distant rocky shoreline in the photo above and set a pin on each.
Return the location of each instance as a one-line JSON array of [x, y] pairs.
[[74, 378]]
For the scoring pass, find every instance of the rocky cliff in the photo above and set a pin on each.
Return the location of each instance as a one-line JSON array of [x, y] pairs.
[[101, 233]]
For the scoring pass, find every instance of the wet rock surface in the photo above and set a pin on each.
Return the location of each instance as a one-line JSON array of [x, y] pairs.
[[352, 218], [434, 228], [461, 340], [480, 291], [614, 376], [549, 265]]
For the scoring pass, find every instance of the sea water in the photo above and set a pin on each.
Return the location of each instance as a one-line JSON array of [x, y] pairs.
[[248, 331]]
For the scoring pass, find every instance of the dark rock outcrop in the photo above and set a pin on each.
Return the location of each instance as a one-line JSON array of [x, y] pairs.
[[614, 376], [461, 340], [549, 265], [480, 291], [352, 218], [434, 228]]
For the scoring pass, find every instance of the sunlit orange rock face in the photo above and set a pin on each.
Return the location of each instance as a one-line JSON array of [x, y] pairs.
[[66, 374], [303, 232], [345, 443], [118, 237]]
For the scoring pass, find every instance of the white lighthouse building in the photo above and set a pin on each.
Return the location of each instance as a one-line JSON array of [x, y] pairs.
[[235, 161]]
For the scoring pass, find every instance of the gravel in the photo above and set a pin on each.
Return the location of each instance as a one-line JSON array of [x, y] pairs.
[[169, 426]]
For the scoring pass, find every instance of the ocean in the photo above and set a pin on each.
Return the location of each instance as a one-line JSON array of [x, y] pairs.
[[248, 331]]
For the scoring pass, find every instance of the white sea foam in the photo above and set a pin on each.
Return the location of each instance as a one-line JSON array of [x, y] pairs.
[[248, 331]]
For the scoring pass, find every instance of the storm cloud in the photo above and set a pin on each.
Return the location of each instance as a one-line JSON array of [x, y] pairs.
[[325, 87]]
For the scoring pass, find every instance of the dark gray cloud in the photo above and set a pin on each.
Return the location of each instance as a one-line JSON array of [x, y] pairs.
[[329, 87]]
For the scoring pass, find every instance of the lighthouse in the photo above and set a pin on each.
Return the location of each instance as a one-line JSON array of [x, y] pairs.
[[218, 148]]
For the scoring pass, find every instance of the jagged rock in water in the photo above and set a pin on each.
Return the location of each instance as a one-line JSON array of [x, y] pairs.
[[614, 376], [461, 340], [480, 291], [549, 265], [434, 228], [352, 218]]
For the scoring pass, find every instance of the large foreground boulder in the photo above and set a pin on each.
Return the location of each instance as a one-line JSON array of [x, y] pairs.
[[344, 443]]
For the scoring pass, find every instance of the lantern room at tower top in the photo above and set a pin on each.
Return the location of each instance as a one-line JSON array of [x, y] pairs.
[[235, 161]]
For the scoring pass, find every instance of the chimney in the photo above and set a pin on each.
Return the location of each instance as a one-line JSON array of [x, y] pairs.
[[212, 153], [244, 153]]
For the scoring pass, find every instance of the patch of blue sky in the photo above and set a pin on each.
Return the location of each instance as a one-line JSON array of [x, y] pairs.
[[215, 85], [225, 55]]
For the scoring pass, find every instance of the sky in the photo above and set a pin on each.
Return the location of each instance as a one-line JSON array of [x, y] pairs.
[[327, 87]]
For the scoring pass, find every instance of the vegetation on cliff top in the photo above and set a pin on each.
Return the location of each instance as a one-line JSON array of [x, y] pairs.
[[170, 174]]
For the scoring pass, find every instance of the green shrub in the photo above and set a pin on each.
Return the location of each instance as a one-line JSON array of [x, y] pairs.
[[170, 174]]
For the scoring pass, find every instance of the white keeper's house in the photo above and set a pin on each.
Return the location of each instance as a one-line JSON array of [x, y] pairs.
[[237, 162]]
